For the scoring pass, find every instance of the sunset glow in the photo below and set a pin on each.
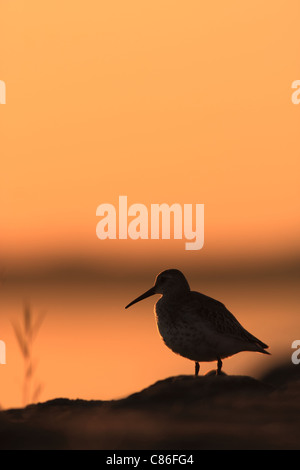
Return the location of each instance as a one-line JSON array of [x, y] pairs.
[[164, 104]]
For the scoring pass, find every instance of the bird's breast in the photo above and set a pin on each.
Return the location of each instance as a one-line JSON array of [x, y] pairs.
[[167, 317], [183, 332], [175, 328]]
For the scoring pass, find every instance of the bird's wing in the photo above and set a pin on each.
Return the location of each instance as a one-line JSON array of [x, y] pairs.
[[216, 316]]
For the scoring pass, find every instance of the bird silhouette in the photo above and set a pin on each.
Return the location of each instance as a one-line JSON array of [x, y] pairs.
[[196, 326]]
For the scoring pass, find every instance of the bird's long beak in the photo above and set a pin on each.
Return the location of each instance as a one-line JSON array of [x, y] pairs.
[[143, 296]]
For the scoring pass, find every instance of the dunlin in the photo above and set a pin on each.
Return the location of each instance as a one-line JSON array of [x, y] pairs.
[[196, 326]]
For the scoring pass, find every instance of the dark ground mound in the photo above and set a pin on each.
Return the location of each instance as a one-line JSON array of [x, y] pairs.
[[184, 412]]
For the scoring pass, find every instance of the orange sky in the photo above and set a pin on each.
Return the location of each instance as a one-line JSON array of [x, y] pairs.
[[161, 101]]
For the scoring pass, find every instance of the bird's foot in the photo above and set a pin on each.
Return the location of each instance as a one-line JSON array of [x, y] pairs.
[[214, 372]]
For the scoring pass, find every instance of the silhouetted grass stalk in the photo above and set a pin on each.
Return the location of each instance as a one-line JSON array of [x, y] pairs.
[[25, 333]]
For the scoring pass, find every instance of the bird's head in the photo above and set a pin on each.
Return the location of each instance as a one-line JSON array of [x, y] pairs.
[[169, 282]]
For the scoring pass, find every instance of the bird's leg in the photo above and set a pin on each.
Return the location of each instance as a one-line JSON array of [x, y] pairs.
[[219, 366], [197, 368]]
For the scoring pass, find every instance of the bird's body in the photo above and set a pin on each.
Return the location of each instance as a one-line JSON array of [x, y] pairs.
[[202, 329], [196, 326]]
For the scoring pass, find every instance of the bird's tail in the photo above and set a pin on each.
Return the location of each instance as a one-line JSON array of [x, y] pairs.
[[261, 347], [264, 351]]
